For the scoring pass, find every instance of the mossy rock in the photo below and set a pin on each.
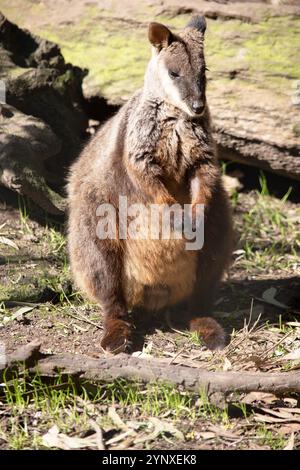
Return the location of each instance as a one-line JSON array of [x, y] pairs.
[[42, 118]]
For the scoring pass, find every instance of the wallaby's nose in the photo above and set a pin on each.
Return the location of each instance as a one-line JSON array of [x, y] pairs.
[[198, 107]]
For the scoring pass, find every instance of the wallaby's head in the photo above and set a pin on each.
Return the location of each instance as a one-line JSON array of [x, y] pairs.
[[177, 68]]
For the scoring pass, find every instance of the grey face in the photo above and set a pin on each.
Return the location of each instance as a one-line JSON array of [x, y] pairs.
[[180, 66], [185, 65]]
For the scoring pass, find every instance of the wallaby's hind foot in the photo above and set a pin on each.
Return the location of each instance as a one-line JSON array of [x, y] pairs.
[[117, 336], [209, 331]]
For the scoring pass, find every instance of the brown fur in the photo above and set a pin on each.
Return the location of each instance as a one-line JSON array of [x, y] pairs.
[[155, 150]]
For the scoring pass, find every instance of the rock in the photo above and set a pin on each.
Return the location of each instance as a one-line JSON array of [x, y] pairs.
[[44, 120], [47, 95], [25, 145], [40, 83]]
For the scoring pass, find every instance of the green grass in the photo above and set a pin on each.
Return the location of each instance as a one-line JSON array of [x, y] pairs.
[[271, 439], [270, 236], [151, 400], [56, 242], [45, 404], [35, 406], [33, 283], [48, 257], [24, 213], [194, 338]]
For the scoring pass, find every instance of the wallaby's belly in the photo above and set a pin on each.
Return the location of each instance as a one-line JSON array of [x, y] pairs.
[[157, 273]]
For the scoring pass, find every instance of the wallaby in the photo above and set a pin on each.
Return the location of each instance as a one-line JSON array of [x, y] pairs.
[[158, 149]]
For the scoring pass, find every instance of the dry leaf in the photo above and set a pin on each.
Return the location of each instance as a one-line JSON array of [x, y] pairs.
[[121, 437], [113, 415], [259, 396], [99, 434], [148, 348], [292, 356], [6, 241], [23, 310], [239, 252], [282, 415], [269, 419], [279, 412], [19, 313], [227, 365], [290, 410], [220, 431], [207, 435], [290, 401], [231, 184], [289, 428], [269, 297], [142, 355], [164, 426], [290, 443], [53, 438], [160, 427]]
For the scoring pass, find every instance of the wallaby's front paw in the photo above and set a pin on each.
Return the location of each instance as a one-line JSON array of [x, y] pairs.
[[210, 331], [117, 337]]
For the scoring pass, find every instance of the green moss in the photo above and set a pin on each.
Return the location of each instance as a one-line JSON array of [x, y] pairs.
[[63, 81], [276, 49], [116, 60], [270, 48]]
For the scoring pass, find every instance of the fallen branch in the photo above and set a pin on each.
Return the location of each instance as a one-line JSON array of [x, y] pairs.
[[123, 366], [28, 354]]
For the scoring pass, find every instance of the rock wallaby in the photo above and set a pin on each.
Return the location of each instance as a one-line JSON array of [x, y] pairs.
[[157, 150]]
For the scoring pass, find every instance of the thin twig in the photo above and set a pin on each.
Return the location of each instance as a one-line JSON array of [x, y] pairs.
[[84, 319]]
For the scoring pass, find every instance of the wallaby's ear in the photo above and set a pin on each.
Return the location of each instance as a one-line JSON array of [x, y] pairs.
[[159, 35], [198, 22]]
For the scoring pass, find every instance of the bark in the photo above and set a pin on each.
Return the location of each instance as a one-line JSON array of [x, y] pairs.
[[123, 366], [282, 160]]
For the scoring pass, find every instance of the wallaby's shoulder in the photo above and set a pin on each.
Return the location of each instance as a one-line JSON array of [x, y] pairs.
[[114, 129], [107, 142]]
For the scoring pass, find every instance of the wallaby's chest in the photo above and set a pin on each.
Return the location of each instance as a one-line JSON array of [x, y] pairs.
[[160, 272], [175, 152], [176, 147]]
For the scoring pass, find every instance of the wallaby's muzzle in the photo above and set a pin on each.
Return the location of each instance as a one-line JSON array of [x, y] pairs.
[[198, 106]]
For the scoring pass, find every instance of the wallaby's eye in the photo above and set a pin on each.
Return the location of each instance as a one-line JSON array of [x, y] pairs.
[[173, 75]]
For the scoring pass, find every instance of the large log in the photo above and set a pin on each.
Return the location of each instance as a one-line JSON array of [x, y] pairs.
[[109, 368]]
